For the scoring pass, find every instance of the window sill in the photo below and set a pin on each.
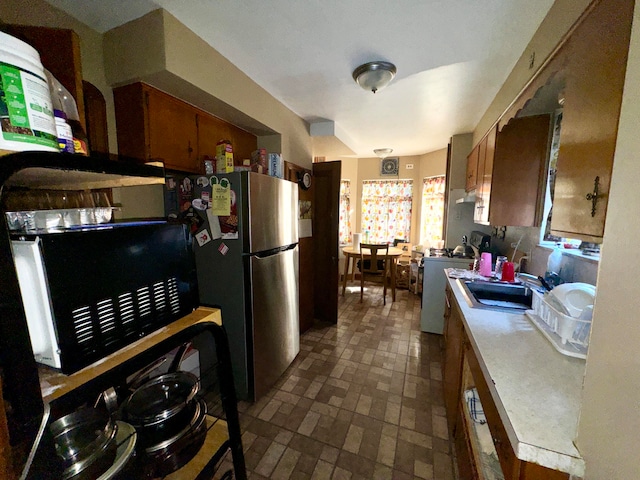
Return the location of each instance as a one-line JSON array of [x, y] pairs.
[[572, 252]]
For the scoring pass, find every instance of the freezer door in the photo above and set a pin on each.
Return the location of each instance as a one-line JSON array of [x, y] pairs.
[[273, 212], [276, 333]]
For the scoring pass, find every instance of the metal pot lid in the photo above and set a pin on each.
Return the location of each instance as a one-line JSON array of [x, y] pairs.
[[161, 398], [126, 441], [95, 455], [78, 435]]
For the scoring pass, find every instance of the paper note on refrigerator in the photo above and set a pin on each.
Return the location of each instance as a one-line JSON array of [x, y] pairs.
[[220, 201], [214, 225]]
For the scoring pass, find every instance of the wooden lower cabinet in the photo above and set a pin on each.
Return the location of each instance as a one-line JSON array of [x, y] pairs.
[[461, 372], [452, 366]]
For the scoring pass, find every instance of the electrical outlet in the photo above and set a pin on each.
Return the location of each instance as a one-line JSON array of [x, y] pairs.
[[409, 166]]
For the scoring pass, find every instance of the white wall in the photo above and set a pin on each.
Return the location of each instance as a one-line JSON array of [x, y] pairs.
[[609, 427]]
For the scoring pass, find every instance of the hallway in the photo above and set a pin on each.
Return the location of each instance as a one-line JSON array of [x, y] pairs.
[[362, 400]]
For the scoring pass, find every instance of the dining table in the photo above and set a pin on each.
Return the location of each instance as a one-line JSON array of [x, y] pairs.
[[352, 252]]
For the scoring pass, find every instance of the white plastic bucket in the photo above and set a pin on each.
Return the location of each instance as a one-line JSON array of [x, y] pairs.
[[26, 111]]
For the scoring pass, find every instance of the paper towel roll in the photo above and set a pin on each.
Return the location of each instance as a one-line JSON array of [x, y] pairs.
[[356, 241]]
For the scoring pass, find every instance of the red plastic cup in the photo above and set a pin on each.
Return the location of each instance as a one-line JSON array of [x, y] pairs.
[[508, 273]]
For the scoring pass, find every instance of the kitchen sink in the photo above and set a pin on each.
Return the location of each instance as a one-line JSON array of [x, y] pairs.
[[499, 296]]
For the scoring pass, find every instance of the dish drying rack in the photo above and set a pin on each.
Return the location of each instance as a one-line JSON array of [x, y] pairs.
[[568, 335]]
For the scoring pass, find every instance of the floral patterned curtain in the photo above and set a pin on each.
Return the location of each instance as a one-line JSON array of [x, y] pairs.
[[344, 232], [386, 210], [432, 210]]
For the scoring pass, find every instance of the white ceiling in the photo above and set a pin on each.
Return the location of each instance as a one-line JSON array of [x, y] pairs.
[[452, 57]]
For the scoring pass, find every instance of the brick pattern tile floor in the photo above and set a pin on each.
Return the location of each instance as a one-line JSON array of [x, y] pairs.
[[362, 400]]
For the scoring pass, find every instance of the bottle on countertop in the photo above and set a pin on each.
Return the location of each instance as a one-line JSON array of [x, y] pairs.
[[554, 265]]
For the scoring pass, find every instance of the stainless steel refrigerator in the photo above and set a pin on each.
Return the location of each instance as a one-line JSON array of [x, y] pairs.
[[251, 274]]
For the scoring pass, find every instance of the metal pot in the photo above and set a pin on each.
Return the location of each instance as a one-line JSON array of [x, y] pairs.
[[85, 440], [172, 453], [464, 250]]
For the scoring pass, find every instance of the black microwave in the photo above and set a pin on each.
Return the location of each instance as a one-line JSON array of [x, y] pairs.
[[89, 292]]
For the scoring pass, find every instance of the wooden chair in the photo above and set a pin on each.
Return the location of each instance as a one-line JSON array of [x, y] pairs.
[[374, 266]]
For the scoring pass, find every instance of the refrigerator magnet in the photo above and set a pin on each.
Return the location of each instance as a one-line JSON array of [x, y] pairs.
[[202, 182], [203, 237]]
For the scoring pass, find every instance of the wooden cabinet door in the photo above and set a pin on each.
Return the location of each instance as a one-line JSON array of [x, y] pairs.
[[597, 52], [172, 132], [472, 169], [452, 366], [212, 129], [485, 172], [509, 463], [519, 172]]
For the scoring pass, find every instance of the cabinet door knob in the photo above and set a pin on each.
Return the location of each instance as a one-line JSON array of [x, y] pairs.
[[593, 196]]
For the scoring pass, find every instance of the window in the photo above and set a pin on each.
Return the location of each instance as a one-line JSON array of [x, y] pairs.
[[386, 210], [545, 231], [432, 215], [344, 231]]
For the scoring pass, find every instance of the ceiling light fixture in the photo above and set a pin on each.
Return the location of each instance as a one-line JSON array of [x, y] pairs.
[[383, 152], [374, 76]]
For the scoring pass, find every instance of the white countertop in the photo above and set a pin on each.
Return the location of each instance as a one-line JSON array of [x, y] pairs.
[[537, 390]]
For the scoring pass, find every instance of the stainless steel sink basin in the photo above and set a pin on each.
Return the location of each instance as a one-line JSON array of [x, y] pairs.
[[497, 296]]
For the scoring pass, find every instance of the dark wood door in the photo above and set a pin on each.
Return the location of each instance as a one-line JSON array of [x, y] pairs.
[[326, 207], [305, 251]]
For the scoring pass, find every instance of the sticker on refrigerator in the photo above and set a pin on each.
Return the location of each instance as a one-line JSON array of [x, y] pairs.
[[203, 237], [202, 182], [199, 204], [223, 249]]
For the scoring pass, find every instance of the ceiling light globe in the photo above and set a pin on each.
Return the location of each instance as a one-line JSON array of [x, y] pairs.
[[383, 152], [374, 76]]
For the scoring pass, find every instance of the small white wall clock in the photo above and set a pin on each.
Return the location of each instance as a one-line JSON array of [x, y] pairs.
[[389, 166]]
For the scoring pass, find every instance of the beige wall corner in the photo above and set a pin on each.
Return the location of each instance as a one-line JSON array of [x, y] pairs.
[[414, 167], [135, 50], [166, 54], [608, 431]]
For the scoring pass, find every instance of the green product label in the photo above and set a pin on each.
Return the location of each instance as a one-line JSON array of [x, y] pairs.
[[26, 114]]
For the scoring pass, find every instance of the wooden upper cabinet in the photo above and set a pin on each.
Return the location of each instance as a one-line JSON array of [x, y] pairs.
[[212, 129], [519, 172], [597, 58], [485, 171], [172, 134], [153, 125], [472, 169]]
